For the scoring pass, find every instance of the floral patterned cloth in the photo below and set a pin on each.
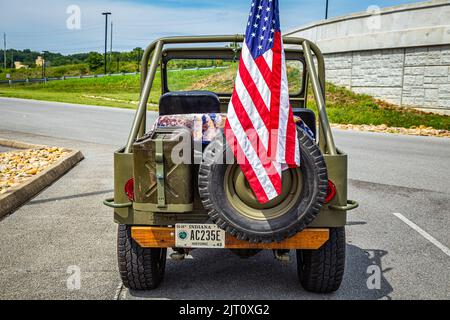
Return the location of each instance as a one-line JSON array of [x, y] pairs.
[[205, 127]]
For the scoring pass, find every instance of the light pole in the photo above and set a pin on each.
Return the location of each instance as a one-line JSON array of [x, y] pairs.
[[110, 48], [326, 10], [106, 14], [4, 49], [43, 64]]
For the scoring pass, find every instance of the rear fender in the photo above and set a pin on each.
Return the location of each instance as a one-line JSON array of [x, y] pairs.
[[123, 171], [337, 166]]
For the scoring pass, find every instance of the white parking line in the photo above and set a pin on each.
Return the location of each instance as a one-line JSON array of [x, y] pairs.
[[423, 233], [118, 291]]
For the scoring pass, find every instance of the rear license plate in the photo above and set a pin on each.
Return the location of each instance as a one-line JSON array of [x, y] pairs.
[[199, 236]]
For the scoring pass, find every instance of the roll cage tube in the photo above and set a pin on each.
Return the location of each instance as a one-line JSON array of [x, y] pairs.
[[154, 50], [228, 54]]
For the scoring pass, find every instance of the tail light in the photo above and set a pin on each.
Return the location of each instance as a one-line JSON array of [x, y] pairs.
[[331, 192], [129, 189]]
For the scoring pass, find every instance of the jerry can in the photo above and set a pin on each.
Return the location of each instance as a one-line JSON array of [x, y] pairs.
[[163, 171]]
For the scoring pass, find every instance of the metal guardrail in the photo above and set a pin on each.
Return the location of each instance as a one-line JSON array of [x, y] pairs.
[[43, 80]]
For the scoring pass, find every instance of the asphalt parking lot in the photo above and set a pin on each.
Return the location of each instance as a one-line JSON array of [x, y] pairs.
[[401, 227]]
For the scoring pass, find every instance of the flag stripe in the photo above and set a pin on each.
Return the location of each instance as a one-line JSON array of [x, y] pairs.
[[244, 82], [250, 154], [275, 101], [264, 68], [259, 80], [255, 141], [268, 56], [291, 143], [247, 169], [287, 132]]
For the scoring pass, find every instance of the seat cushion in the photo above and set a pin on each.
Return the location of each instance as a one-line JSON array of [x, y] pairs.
[[188, 102]]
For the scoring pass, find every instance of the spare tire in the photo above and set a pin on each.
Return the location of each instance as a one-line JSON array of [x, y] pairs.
[[232, 205]]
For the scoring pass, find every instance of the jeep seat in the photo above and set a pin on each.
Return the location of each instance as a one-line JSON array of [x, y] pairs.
[[186, 102]]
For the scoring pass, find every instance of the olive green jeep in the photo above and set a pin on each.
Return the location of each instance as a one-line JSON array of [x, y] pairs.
[[175, 187]]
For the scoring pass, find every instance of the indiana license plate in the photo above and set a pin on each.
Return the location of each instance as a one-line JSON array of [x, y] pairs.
[[199, 236]]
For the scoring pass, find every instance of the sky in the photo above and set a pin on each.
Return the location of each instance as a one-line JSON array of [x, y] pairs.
[[55, 25]]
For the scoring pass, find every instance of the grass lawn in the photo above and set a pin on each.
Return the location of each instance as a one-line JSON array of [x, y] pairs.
[[343, 106], [114, 91], [118, 91], [347, 107]]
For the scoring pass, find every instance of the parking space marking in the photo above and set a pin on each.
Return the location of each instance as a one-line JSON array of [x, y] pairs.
[[118, 291], [423, 233]]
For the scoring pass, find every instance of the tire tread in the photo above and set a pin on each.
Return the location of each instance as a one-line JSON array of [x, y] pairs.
[[139, 268], [322, 270]]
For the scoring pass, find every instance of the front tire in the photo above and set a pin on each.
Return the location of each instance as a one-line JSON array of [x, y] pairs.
[[140, 268], [322, 270]]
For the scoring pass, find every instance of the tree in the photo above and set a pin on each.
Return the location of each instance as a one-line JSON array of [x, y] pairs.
[[94, 60], [136, 55]]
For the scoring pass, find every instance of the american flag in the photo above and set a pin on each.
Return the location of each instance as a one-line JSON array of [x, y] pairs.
[[260, 128]]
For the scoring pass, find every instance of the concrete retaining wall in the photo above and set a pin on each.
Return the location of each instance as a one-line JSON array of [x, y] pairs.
[[399, 54]]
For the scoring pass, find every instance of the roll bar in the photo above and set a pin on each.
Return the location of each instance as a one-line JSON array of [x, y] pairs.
[[155, 49]]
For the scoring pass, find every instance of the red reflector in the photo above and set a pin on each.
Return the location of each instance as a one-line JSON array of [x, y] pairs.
[[331, 192], [129, 189]]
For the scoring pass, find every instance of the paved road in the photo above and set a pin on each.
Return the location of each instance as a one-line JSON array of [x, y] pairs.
[[66, 225]]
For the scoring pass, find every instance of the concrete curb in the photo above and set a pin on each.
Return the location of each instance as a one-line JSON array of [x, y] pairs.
[[18, 196], [20, 145]]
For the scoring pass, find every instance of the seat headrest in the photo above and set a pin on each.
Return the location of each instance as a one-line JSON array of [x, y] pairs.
[[186, 102]]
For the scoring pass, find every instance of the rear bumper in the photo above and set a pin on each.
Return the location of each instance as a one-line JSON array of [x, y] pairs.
[[161, 237]]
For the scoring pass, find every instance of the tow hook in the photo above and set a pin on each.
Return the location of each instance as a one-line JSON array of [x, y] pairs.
[[180, 254], [282, 255]]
